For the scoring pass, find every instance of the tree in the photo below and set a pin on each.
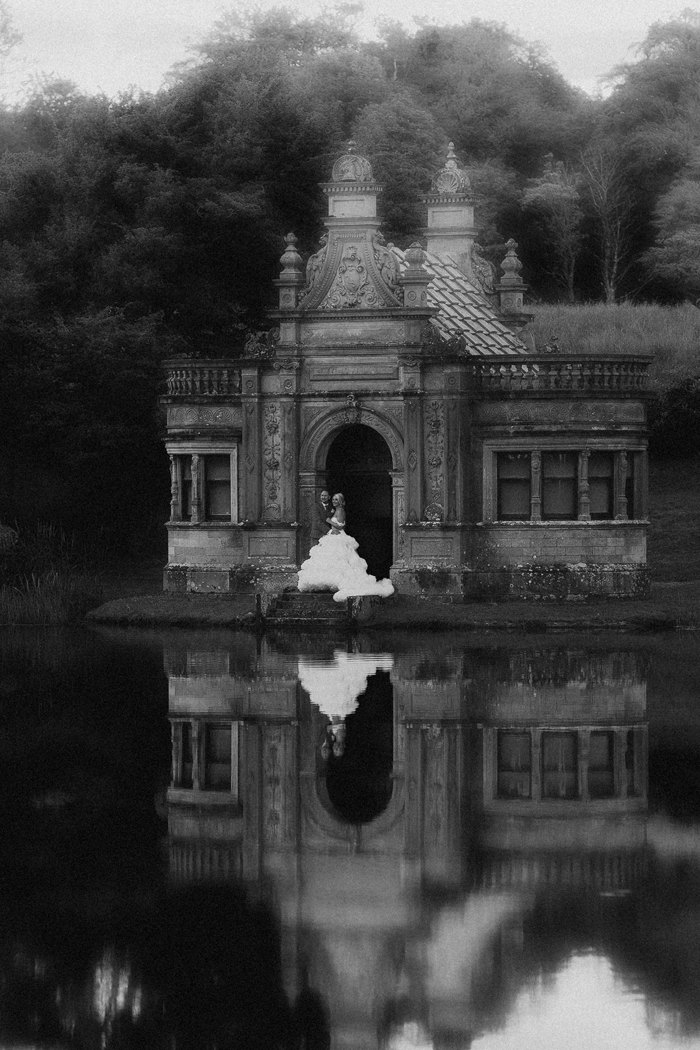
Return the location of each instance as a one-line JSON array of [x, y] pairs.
[[610, 200], [675, 258], [407, 147], [554, 201]]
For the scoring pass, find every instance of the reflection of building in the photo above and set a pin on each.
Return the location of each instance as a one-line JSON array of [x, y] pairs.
[[512, 773], [471, 464]]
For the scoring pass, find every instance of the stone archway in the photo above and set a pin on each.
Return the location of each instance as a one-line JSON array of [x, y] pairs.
[[318, 440], [358, 464]]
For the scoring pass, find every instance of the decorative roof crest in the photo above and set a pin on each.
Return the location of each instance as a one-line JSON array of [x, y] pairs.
[[452, 178], [352, 167]]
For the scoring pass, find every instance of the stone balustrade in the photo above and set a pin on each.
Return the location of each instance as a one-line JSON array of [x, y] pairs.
[[561, 372], [202, 379]]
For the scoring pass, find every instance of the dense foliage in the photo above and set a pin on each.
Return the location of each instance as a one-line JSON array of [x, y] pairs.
[[136, 228]]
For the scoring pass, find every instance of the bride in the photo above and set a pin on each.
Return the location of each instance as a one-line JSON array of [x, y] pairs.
[[334, 564]]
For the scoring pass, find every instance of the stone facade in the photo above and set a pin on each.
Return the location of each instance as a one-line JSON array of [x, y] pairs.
[[490, 470]]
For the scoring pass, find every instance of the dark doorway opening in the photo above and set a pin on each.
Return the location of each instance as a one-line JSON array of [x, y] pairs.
[[358, 465]]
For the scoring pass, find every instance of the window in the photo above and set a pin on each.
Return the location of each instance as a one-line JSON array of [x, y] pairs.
[[514, 765], [601, 484], [213, 494], [601, 765], [186, 776], [513, 486], [559, 765], [559, 486], [218, 758], [217, 487]]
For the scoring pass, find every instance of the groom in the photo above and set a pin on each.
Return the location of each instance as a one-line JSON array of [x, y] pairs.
[[323, 511]]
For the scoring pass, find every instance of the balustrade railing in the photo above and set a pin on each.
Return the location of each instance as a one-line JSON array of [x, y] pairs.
[[561, 373], [202, 379]]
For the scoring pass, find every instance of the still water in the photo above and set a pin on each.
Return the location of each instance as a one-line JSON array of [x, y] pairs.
[[212, 841]]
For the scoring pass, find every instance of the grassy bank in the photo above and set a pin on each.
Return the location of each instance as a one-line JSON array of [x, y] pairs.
[[671, 333]]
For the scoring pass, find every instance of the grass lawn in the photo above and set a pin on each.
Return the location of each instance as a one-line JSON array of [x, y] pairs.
[[674, 511]]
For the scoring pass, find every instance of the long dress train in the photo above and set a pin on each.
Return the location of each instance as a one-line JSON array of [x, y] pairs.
[[334, 565]]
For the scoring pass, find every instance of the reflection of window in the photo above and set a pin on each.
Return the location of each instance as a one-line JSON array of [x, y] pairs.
[[217, 767], [601, 484], [514, 764], [559, 765], [559, 488], [513, 486], [632, 757], [601, 765], [186, 776]]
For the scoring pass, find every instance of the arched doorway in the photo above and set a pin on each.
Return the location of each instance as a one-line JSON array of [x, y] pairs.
[[359, 465]]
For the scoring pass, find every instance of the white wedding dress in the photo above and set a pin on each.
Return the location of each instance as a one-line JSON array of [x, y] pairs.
[[334, 565]]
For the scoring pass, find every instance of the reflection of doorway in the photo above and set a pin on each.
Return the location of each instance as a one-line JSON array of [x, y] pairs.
[[358, 465], [358, 775]]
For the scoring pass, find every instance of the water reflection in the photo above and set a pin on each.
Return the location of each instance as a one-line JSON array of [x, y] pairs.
[[418, 843]]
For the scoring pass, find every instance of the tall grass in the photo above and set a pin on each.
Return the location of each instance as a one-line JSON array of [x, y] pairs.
[[41, 581], [670, 333]]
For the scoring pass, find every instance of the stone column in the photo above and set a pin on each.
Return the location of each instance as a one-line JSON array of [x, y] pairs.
[[175, 488], [536, 486], [197, 480], [584, 491], [584, 756], [175, 753], [197, 756], [620, 483]]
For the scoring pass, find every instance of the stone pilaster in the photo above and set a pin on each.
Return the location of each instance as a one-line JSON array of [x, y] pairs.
[[250, 478], [410, 379]]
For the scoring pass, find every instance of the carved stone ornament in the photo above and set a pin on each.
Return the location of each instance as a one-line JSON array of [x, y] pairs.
[[352, 167], [352, 409], [483, 270], [452, 178], [386, 261], [352, 286], [315, 263], [261, 345]]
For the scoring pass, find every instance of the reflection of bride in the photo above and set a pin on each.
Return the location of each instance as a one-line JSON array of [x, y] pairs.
[[334, 564]]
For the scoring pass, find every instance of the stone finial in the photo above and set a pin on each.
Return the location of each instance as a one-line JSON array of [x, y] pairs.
[[452, 178], [415, 278], [352, 167], [291, 260], [415, 256], [292, 278], [511, 288], [511, 264]]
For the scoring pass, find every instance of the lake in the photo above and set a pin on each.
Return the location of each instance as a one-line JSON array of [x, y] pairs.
[[216, 841]]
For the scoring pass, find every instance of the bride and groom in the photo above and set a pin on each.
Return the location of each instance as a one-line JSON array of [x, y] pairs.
[[334, 564]]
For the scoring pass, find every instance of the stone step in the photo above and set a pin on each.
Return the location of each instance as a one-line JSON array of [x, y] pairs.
[[307, 609]]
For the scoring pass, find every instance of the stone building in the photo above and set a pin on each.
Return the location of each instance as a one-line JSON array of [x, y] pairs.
[[472, 464]]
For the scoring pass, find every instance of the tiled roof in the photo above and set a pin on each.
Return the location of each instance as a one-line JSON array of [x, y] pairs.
[[464, 310]]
